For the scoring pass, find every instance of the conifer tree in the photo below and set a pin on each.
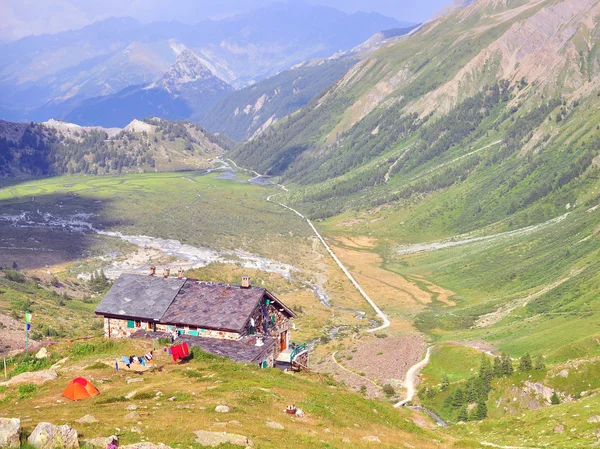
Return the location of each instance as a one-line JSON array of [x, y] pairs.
[[462, 414], [507, 367], [525, 363], [479, 412], [458, 399], [554, 399], [539, 364], [497, 367]]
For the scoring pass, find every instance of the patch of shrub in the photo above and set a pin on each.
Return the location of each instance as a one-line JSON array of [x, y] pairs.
[[26, 390], [91, 348], [389, 390], [143, 395], [15, 276], [112, 400], [98, 365]]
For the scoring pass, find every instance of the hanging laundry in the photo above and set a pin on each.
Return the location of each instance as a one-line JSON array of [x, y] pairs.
[[126, 360], [176, 352], [186, 350]]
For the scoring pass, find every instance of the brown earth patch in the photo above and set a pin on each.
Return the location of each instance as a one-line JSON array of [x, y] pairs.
[[386, 359], [359, 241], [380, 283]]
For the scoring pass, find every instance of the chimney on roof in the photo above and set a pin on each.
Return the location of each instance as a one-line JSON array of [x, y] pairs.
[[246, 282], [166, 272], [180, 273], [152, 270]]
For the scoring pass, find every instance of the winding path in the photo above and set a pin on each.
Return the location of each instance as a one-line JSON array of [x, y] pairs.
[[380, 314], [411, 377]]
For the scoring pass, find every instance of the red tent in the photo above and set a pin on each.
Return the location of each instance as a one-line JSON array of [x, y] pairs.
[[80, 388]]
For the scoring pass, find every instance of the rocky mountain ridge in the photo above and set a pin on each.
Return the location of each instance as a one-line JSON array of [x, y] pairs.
[[46, 76]]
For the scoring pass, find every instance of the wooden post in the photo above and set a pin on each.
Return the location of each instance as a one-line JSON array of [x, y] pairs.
[[5, 376]]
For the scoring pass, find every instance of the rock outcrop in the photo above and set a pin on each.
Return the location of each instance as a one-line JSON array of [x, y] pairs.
[[49, 436], [10, 432], [35, 377]]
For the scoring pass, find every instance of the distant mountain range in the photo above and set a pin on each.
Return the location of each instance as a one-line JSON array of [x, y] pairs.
[[187, 88], [52, 75]]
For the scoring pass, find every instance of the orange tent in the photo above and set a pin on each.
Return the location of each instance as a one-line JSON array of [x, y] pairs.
[[80, 388]]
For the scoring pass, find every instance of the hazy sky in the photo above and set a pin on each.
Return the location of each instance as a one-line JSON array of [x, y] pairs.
[[20, 18]]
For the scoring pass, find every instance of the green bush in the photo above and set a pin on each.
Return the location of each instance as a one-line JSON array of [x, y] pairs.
[[112, 400], [144, 395], [15, 276], [389, 390]]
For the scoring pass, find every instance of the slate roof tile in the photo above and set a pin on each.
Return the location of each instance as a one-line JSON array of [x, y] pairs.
[[146, 297], [213, 306]]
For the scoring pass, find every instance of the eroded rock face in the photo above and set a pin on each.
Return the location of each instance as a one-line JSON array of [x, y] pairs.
[[206, 438], [10, 432], [49, 436]]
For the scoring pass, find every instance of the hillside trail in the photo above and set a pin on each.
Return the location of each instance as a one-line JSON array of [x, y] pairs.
[[386, 178], [411, 378], [465, 239], [452, 161], [412, 373]]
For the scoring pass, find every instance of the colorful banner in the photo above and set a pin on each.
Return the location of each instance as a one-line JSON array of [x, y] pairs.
[[27, 317]]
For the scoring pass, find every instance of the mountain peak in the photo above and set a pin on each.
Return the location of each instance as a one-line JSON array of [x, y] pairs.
[[187, 68]]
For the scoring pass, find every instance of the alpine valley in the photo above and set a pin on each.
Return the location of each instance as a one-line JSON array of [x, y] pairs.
[[424, 197]]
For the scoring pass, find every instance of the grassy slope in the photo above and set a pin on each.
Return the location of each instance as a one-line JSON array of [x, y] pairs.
[[255, 396], [201, 210]]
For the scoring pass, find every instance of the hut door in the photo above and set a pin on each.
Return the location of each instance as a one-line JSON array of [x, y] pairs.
[[283, 340]]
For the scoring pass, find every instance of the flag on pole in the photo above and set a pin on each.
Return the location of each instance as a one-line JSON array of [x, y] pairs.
[[28, 317]]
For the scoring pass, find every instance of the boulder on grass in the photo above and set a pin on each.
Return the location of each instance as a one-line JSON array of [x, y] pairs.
[[87, 419], [36, 377], [100, 442], [10, 432], [214, 439], [49, 436]]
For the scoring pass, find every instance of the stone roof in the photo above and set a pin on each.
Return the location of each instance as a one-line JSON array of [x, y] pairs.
[[213, 306], [186, 302], [242, 350], [136, 296]]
